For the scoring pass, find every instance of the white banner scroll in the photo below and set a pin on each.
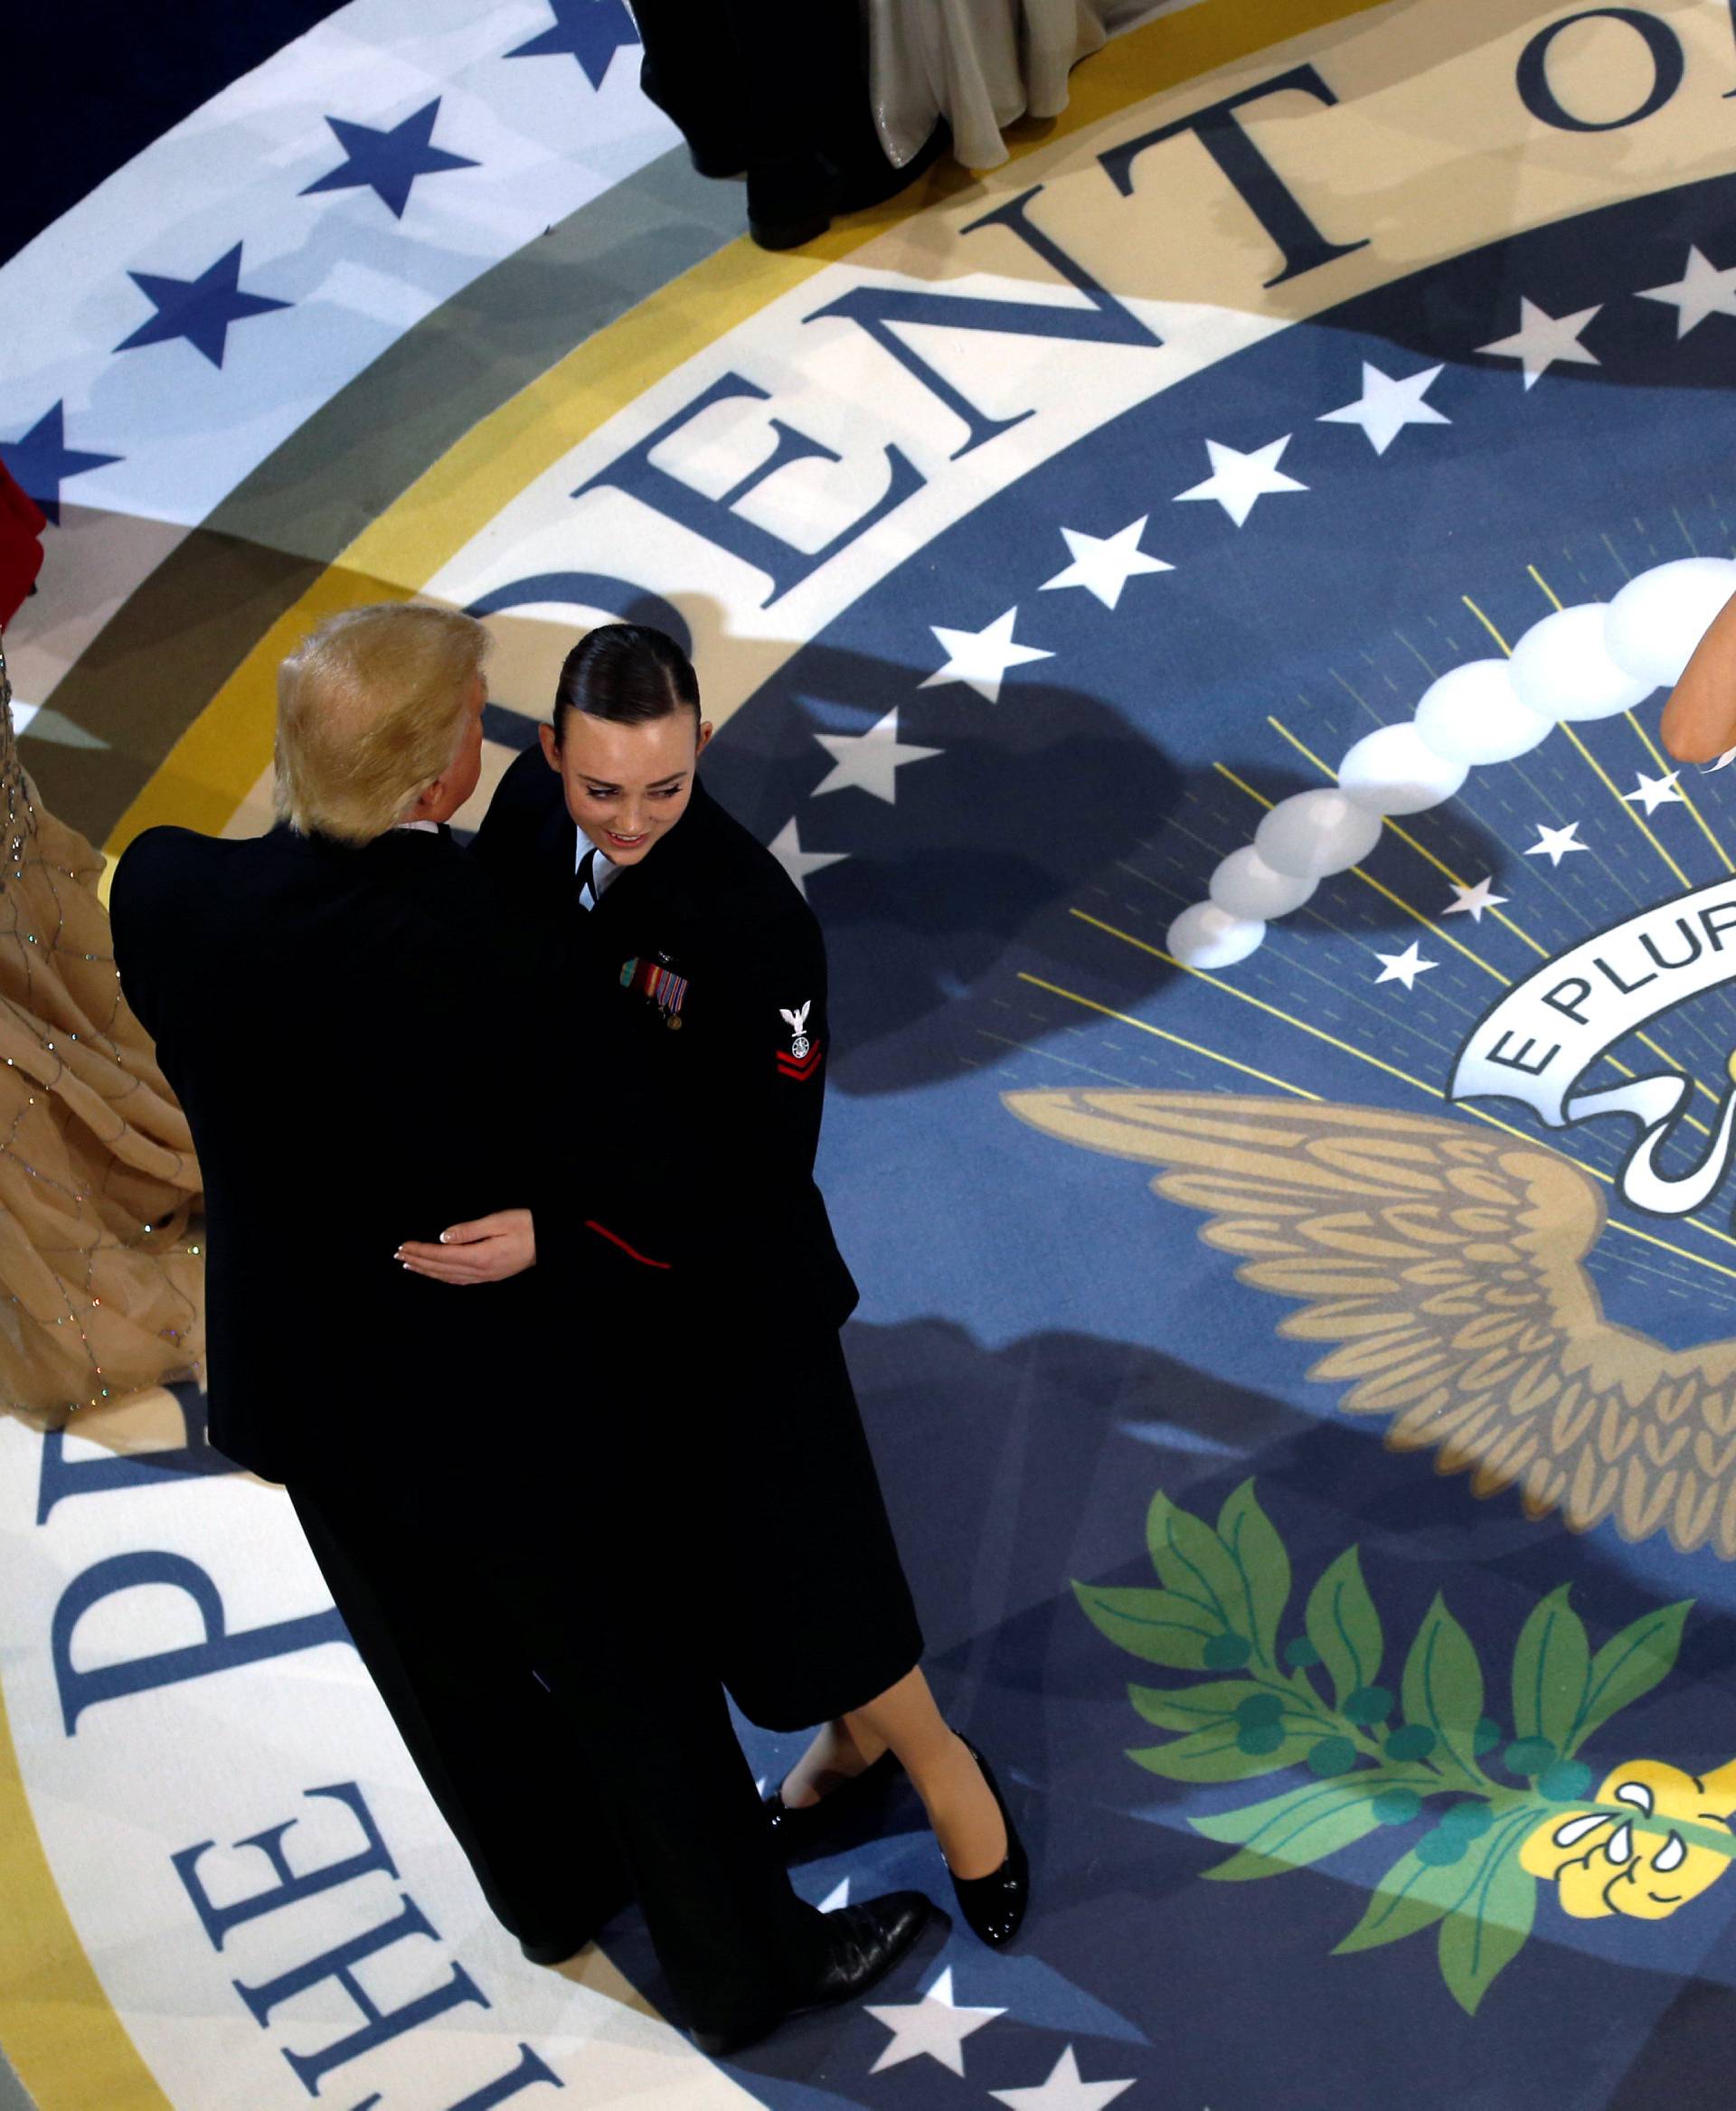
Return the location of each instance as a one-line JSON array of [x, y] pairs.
[[1539, 1042]]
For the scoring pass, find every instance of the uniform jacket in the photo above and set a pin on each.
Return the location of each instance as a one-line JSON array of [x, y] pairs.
[[366, 1043], [710, 971]]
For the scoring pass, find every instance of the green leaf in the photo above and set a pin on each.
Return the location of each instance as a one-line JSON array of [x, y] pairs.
[[1443, 1687], [1262, 1565], [1488, 1929], [1344, 1627], [1236, 1828], [1325, 1837], [1217, 1753], [1195, 1563], [1628, 1666], [1413, 1895], [1291, 1831], [1193, 1707], [1154, 1625], [1551, 1662]]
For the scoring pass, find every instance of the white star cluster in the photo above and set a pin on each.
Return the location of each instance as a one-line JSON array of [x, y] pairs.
[[1583, 663]]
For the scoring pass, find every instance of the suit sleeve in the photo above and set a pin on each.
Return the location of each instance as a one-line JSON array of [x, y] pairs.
[[503, 843], [130, 924]]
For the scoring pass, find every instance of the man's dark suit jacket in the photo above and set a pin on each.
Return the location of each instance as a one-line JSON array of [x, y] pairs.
[[732, 1096], [370, 1044]]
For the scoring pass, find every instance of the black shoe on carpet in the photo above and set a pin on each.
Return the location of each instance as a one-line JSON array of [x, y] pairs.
[[866, 1942], [854, 1805], [792, 201]]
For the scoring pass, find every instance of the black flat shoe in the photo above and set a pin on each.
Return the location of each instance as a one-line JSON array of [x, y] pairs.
[[805, 1827], [866, 1942], [995, 1905]]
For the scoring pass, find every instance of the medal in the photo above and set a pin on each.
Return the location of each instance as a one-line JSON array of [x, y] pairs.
[[658, 984]]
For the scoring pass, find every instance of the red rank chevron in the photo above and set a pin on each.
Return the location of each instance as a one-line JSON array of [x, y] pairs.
[[790, 1068]]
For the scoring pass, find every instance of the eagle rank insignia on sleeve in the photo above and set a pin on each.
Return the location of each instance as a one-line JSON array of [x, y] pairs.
[[802, 1059]]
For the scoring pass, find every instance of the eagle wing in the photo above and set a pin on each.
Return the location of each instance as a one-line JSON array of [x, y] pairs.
[[1445, 1263]]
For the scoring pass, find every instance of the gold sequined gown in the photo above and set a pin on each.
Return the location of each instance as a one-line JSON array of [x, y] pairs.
[[101, 1283]]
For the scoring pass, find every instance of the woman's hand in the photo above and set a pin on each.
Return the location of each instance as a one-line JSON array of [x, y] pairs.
[[486, 1251]]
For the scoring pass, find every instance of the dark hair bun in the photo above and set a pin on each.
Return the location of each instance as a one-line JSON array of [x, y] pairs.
[[627, 672]]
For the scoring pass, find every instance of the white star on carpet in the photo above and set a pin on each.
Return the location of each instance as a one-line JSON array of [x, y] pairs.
[[1386, 406], [935, 2025], [786, 846], [1103, 564], [869, 760], [979, 658], [1473, 900], [1404, 966], [1237, 480], [1542, 339], [1699, 292], [839, 1895], [1555, 843], [1063, 2091], [1653, 792]]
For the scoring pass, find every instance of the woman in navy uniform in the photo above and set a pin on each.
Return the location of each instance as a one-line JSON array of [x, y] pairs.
[[715, 971]]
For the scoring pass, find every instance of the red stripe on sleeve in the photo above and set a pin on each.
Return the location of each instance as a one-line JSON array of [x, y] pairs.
[[615, 1239]]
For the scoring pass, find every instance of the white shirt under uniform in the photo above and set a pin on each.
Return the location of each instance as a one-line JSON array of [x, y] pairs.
[[602, 870]]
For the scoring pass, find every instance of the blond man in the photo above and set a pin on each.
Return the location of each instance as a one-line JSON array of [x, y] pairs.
[[370, 1044]]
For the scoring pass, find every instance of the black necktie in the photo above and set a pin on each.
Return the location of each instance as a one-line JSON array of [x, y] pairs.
[[585, 895]]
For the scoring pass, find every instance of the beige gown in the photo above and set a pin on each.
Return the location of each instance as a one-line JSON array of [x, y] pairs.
[[101, 1282], [979, 64]]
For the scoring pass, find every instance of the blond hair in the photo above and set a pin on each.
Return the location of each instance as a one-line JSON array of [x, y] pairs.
[[371, 711]]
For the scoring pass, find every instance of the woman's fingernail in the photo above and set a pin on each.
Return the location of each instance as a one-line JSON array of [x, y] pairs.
[[442, 1238]]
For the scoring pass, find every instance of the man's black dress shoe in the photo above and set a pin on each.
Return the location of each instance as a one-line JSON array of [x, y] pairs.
[[866, 1942], [798, 1831], [792, 200], [995, 1905]]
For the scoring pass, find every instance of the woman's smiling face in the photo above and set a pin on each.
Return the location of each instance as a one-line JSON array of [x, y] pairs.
[[627, 785]]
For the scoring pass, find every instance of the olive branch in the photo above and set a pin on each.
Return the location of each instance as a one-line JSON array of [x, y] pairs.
[[1378, 1757]]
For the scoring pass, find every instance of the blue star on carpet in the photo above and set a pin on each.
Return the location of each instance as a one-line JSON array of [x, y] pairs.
[[198, 309], [41, 461], [591, 30], [389, 162]]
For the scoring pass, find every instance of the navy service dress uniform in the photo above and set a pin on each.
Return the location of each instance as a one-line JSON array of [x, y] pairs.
[[710, 971]]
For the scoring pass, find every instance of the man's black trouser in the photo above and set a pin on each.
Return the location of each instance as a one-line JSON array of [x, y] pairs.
[[573, 1738]]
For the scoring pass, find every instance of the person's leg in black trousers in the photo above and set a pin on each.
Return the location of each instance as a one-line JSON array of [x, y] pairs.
[[496, 1752], [633, 1665], [616, 1769]]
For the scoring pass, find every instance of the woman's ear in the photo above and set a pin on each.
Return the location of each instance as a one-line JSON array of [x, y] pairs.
[[550, 751], [705, 730]]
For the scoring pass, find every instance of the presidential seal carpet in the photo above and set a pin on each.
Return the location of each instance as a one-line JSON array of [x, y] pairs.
[[1191, 606]]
